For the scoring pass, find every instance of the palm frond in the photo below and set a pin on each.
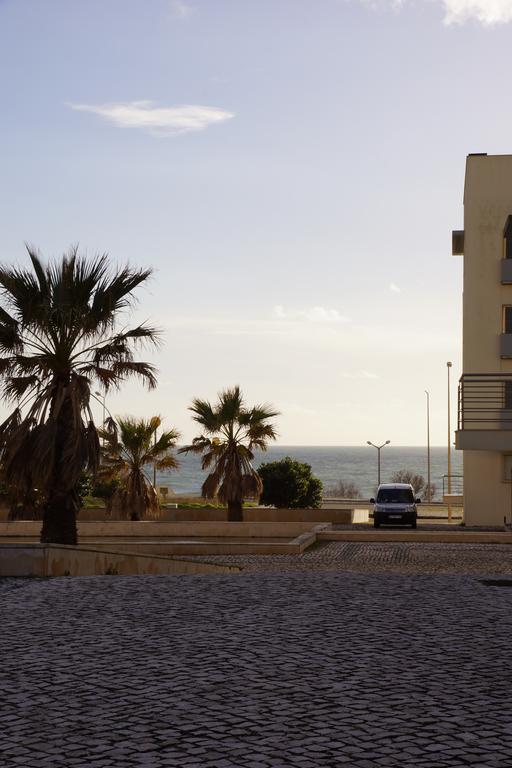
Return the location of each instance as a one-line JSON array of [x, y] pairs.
[[231, 432], [58, 335], [167, 462], [15, 387], [204, 414], [124, 369]]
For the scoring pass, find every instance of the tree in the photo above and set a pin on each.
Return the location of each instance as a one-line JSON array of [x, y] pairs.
[[418, 482], [231, 432], [289, 484], [130, 446], [344, 490], [59, 334], [105, 489]]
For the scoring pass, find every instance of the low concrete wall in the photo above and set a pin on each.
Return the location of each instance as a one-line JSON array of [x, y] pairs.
[[211, 545], [167, 515], [453, 499], [151, 528], [450, 536], [58, 560], [337, 515]]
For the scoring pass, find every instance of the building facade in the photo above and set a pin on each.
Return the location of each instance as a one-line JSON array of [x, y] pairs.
[[484, 429]]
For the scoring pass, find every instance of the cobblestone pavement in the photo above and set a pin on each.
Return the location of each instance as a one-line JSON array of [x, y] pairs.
[[356, 557], [256, 670]]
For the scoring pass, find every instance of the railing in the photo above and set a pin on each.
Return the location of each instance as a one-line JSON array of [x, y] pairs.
[[453, 484], [485, 401]]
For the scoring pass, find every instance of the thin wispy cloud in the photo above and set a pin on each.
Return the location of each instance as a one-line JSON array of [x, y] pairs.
[[486, 12], [360, 375], [180, 9], [310, 315], [394, 288], [159, 121], [340, 335]]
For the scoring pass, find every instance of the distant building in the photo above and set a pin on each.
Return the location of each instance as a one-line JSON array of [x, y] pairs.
[[484, 430]]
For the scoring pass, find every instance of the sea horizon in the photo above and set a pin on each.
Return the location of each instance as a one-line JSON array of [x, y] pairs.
[[331, 463]]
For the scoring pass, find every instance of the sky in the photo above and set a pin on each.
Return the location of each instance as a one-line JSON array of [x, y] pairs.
[[291, 170]]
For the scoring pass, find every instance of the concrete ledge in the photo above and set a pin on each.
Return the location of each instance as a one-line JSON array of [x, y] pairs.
[[340, 515], [324, 515], [496, 439], [165, 539], [453, 499], [150, 528], [459, 536], [58, 560]]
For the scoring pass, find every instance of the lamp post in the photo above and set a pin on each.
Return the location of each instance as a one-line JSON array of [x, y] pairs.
[[102, 399], [429, 488], [154, 463], [378, 447], [448, 366]]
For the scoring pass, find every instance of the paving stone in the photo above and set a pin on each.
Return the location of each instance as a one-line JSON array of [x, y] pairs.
[[323, 664]]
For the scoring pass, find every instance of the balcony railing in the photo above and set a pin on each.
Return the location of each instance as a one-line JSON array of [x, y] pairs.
[[453, 484], [485, 401]]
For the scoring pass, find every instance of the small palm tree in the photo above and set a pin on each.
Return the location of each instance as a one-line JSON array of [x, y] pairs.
[[59, 334], [231, 431], [130, 446]]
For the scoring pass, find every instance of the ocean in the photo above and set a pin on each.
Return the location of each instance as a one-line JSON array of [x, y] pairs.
[[331, 464]]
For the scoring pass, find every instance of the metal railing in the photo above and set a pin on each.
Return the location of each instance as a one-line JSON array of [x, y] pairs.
[[453, 484], [485, 401]]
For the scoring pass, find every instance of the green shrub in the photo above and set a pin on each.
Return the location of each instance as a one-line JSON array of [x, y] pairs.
[[289, 484], [104, 489]]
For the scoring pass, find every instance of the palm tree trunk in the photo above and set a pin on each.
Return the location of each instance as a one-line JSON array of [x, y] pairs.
[[62, 504], [235, 512], [59, 519]]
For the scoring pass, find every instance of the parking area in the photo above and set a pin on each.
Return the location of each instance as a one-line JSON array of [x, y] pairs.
[[360, 657]]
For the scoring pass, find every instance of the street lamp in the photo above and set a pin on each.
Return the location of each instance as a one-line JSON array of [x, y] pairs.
[[378, 447], [102, 399], [154, 463], [448, 366], [429, 490]]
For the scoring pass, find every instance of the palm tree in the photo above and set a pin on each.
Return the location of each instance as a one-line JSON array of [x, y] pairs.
[[59, 334], [231, 431], [130, 446]]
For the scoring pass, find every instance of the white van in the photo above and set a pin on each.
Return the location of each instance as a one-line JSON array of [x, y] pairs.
[[395, 505]]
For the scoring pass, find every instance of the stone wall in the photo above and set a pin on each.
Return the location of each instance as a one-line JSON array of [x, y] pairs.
[[58, 560]]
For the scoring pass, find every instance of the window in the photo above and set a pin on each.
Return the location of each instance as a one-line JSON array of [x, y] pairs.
[[507, 395], [507, 468], [507, 319], [395, 496], [507, 239]]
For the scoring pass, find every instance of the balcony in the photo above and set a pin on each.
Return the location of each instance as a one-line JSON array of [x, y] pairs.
[[484, 421], [453, 490]]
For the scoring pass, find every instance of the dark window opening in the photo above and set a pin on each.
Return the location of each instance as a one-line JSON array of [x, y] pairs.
[[507, 319], [508, 395], [507, 234], [395, 496]]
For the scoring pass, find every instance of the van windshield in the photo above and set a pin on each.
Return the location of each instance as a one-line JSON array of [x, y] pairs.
[[395, 496]]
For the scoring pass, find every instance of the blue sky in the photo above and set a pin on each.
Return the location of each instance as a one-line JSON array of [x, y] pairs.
[[292, 169]]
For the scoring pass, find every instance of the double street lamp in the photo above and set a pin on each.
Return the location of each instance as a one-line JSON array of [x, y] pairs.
[[379, 448]]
